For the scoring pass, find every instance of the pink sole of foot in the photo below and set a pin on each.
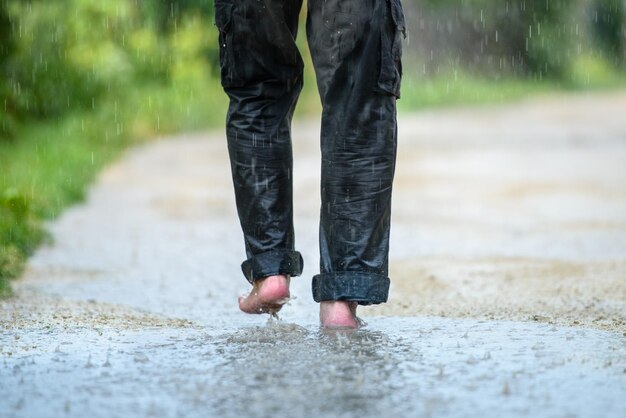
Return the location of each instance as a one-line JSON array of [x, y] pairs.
[[267, 296]]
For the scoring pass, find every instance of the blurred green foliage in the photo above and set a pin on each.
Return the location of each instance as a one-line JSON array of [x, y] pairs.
[[20, 233], [524, 35], [539, 39], [609, 29], [57, 56], [80, 80], [62, 55]]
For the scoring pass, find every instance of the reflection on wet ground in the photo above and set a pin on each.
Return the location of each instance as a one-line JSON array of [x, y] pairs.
[[393, 367]]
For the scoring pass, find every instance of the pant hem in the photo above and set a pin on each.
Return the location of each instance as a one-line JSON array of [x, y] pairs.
[[362, 287], [270, 263]]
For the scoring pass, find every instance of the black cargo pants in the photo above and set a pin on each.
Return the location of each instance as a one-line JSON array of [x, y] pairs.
[[356, 51]]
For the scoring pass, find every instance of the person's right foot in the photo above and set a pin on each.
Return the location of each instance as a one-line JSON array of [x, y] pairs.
[[268, 295], [339, 314]]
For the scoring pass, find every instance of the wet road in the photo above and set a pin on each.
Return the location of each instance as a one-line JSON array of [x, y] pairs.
[[508, 283]]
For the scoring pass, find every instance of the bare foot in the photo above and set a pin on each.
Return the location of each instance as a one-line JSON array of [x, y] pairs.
[[339, 314], [268, 295]]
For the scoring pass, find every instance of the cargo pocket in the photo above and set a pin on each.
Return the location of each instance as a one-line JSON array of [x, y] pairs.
[[392, 33], [223, 21]]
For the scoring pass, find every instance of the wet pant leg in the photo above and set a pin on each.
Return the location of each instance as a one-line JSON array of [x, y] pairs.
[[356, 51], [261, 72]]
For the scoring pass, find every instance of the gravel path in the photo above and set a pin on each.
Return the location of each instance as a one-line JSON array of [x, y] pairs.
[[508, 269]]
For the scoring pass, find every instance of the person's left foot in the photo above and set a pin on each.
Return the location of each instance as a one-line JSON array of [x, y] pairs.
[[268, 295], [339, 314]]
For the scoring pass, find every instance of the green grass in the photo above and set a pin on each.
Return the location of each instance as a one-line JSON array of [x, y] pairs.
[[50, 164], [460, 88], [464, 90]]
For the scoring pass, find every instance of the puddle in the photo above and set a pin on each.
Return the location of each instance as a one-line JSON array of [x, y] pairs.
[[394, 366]]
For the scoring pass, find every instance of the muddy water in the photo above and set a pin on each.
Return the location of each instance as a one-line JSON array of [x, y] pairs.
[[508, 268], [401, 367]]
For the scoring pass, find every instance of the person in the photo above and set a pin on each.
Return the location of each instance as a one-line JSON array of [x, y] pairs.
[[356, 51]]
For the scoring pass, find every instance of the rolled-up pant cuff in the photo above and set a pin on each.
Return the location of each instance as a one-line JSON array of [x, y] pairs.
[[362, 287], [271, 263]]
